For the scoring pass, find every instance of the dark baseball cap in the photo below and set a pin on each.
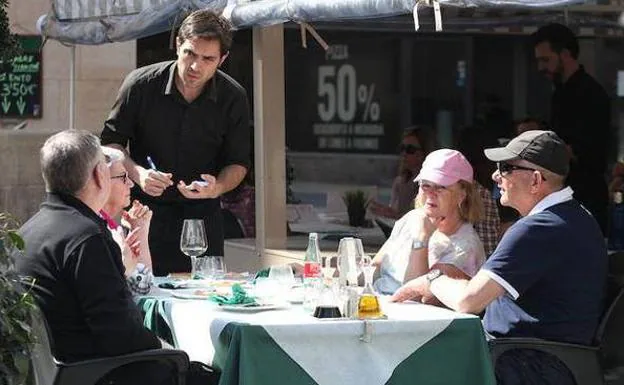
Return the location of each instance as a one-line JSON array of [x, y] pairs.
[[542, 148]]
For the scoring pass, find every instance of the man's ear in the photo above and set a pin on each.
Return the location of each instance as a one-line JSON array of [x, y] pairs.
[[536, 179], [99, 174], [225, 55]]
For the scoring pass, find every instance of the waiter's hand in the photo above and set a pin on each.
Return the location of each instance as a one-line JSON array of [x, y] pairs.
[[208, 188], [154, 182]]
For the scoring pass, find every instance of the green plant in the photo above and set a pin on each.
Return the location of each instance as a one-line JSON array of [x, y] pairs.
[[357, 202], [9, 45], [16, 306]]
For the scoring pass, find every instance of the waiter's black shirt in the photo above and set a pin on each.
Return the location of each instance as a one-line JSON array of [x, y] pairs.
[[186, 139], [79, 282], [580, 116]]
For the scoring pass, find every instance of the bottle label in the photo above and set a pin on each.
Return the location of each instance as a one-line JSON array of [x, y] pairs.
[[311, 269]]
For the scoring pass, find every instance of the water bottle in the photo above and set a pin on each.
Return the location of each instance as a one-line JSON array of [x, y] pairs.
[[312, 273], [616, 230]]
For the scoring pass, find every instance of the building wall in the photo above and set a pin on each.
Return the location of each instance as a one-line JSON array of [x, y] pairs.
[[99, 73]]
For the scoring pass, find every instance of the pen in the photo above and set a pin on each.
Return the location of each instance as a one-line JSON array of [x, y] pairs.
[[150, 162]]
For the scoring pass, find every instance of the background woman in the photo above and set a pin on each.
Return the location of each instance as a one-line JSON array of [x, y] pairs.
[[414, 146]]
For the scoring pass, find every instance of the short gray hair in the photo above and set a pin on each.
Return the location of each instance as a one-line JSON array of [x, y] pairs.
[[67, 160]]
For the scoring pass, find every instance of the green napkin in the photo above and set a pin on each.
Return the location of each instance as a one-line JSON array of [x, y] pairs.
[[239, 297]]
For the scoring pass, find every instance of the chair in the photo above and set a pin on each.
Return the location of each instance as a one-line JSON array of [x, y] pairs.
[[50, 371], [589, 365]]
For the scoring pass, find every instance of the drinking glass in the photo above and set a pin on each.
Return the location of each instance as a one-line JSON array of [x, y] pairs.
[[201, 268], [217, 266], [282, 274], [285, 279], [193, 240]]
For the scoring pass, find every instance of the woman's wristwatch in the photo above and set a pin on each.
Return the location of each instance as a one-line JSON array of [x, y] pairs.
[[433, 275]]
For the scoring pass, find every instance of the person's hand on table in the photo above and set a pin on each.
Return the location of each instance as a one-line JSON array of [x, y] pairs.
[[414, 290], [154, 182], [205, 189]]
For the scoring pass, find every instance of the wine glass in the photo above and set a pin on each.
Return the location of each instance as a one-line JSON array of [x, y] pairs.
[[193, 240]]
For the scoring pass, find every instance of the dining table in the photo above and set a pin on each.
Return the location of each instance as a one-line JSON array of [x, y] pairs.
[[282, 343]]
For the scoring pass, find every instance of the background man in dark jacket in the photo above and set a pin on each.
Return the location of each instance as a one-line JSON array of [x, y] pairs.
[[580, 115]]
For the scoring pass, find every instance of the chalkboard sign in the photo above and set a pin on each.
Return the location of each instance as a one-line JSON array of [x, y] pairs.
[[345, 99], [20, 81]]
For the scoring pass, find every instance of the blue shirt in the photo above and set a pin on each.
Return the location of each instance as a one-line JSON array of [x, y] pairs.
[[553, 265]]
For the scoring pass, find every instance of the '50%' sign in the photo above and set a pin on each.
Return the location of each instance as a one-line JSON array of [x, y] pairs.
[[341, 95]]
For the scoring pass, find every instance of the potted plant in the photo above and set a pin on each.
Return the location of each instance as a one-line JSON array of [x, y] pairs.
[[357, 202], [16, 306]]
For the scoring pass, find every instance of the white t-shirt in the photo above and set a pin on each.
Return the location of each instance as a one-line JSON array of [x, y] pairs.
[[396, 252], [462, 249]]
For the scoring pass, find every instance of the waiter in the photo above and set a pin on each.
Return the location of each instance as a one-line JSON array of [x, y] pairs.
[[185, 125], [580, 115]]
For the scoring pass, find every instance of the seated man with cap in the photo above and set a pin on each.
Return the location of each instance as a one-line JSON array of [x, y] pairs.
[[546, 278]]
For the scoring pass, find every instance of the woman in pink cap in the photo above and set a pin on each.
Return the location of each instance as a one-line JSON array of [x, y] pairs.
[[441, 225]]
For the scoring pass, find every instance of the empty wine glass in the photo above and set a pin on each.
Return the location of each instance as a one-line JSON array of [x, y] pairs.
[[193, 240]]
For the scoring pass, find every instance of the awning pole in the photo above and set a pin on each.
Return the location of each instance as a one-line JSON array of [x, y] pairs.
[[72, 89]]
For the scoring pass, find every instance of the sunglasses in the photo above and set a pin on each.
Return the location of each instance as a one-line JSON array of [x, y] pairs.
[[123, 177], [506, 168], [433, 188], [409, 148]]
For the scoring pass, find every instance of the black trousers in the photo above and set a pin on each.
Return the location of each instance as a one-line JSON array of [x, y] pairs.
[[531, 367], [151, 373], [166, 228]]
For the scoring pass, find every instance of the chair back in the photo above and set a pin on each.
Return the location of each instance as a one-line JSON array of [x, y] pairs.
[[610, 333], [45, 369], [232, 227]]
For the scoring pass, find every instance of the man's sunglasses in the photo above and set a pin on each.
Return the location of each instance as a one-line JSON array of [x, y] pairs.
[[506, 168], [123, 177], [409, 148]]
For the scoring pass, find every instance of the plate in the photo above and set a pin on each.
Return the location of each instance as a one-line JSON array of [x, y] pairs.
[[192, 293], [250, 309]]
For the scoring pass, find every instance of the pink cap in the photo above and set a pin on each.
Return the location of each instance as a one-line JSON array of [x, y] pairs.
[[445, 167]]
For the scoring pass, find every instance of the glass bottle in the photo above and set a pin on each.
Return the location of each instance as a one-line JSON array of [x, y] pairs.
[[312, 273], [368, 304]]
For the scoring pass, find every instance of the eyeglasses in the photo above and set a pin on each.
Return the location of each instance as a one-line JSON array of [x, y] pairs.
[[409, 148], [506, 168], [431, 188], [123, 177]]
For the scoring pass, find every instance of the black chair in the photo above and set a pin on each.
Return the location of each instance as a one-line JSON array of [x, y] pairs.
[[589, 365], [385, 228], [47, 370]]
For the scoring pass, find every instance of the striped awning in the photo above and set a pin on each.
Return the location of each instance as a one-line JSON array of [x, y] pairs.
[[91, 9], [105, 21]]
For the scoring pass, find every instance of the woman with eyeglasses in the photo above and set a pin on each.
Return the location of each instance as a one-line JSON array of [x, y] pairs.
[[134, 245], [413, 149], [440, 234]]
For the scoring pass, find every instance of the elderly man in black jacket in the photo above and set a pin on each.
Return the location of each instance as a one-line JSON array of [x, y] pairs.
[[77, 267]]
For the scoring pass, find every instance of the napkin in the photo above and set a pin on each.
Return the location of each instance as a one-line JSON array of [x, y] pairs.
[[239, 297], [264, 273]]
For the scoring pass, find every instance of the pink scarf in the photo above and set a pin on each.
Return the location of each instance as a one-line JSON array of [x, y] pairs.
[[112, 224]]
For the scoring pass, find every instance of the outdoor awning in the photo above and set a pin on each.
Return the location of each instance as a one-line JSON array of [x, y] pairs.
[[104, 21]]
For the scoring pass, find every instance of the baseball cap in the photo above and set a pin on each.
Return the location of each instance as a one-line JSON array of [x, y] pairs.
[[445, 167], [542, 148]]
